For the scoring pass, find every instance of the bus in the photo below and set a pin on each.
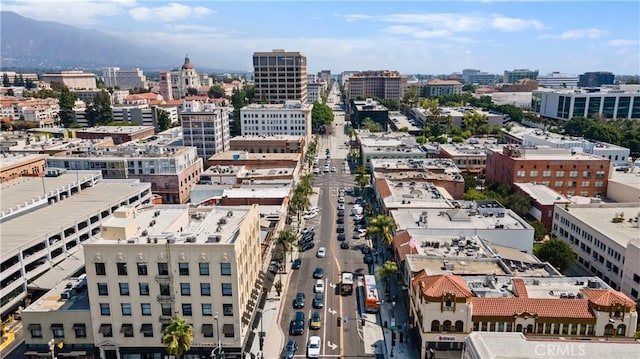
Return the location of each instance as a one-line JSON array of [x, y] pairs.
[[346, 283], [371, 298]]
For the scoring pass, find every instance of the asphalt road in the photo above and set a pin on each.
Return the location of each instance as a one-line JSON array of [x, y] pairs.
[[337, 341]]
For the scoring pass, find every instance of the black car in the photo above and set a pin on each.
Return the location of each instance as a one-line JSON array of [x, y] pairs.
[[340, 220], [368, 258], [318, 301], [344, 245], [296, 327], [341, 237], [306, 246], [340, 228], [318, 273], [341, 213], [298, 302], [296, 264], [290, 349]]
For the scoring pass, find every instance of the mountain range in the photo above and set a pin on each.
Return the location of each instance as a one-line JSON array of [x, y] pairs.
[[32, 44]]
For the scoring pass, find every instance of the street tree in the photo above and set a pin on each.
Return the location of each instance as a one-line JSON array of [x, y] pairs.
[[383, 226], [286, 239], [178, 337], [557, 252], [371, 125], [386, 272], [164, 121], [99, 112], [362, 178], [6, 81], [216, 91], [321, 115]]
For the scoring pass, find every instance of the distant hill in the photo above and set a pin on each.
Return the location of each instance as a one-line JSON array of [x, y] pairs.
[[33, 44]]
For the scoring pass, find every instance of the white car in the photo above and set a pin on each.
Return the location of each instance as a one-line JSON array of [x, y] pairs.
[[358, 217], [340, 206], [319, 287], [310, 215], [340, 199], [313, 209], [326, 169], [313, 347], [322, 252], [333, 169]]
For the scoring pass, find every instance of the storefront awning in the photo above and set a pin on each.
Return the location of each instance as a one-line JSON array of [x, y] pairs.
[[227, 329], [207, 329], [126, 329], [34, 326], [146, 328], [104, 329]]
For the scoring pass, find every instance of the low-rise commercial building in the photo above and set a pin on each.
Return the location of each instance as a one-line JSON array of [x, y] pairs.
[[565, 171], [74, 80], [437, 87], [293, 118], [564, 104], [544, 201], [119, 134], [470, 158], [13, 166], [605, 240], [398, 145], [368, 109], [269, 144]]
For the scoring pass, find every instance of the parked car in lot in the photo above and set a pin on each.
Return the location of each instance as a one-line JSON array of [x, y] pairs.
[[298, 302], [290, 349], [307, 229], [340, 220], [340, 228], [341, 212], [341, 207], [341, 237]]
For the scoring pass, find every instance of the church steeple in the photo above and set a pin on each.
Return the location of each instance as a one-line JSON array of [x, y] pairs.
[[187, 63]]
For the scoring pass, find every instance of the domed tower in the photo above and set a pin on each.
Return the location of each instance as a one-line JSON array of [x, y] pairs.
[[188, 76]]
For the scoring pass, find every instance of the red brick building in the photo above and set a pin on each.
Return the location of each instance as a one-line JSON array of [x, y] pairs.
[[563, 170]]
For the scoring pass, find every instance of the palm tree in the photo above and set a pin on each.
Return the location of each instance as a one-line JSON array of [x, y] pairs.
[[383, 226], [351, 132], [386, 272], [178, 337], [362, 178], [286, 239]]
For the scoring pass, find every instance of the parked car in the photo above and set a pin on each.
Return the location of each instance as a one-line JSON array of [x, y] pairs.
[[340, 212], [319, 287], [341, 237], [340, 206], [340, 228], [318, 273], [298, 302], [296, 264], [307, 229], [365, 249], [306, 246], [340, 220], [344, 245]]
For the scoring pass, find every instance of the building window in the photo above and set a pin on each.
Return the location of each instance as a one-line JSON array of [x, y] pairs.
[[126, 308], [127, 330], [600, 174], [164, 289], [142, 269], [122, 268], [227, 310], [205, 289], [146, 308], [103, 289], [163, 269], [165, 309], [57, 330], [586, 183], [559, 174], [104, 309], [586, 174], [225, 268], [80, 329], [533, 174], [183, 268], [144, 288], [599, 184], [573, 174], [226, 289], [204, 268], [557, 184], [186, 310], [106, 330], [521, 173], [124, 288], [207, 311], [100, 269], [185, 289], [36, 330], [546, 173], [147, 330]]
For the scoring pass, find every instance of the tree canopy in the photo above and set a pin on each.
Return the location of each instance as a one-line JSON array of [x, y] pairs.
[[66, 101], [321, 115], [621, 132], [99, 112], [371, 125], [216, 91], [557, 252], [164, 121], [178, 337]]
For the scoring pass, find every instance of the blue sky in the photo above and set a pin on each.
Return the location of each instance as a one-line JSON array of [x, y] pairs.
[[427, 37]]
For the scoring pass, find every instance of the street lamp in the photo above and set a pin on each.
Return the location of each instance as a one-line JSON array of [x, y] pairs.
[[262, 333], [217, 352]]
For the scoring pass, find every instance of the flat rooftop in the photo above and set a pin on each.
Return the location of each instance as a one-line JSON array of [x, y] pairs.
[[502, 345], [631, 178], [407, 164], [9, 159], [159, 224], [535, 287], [17, 192], [114, 129], [416, 195], [455, 265], [243, 155], [466, 149], [52, 301], [20, 233], [598, 216], [542, 194], [545, 153], [290, 106], [470, 215], [274, 138], [401, 121]]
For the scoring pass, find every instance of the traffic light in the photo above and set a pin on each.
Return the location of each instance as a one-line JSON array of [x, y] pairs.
[[261, 342], [362, 322], [338, 321]]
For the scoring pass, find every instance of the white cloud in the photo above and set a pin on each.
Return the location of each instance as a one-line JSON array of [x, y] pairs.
[[623, 43], [577, 34], [168, 13], [512, 24], [71, 12]]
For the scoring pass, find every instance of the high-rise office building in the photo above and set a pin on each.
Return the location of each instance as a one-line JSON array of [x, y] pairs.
[[124, 79], [511, 77], [280, 76], [595, 79], [383, 84]]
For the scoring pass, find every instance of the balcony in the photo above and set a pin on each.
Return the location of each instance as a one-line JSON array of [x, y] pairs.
[[165, 298], [164, 279], [165, 319]]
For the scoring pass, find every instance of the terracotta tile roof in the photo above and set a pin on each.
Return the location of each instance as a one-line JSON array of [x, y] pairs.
[[438, 285], [401, 244], [177, 102], [520, 288], [543, 307], [383, 188], [607, 297]]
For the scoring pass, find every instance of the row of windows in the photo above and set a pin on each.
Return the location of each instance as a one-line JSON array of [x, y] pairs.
[[273, 115], [274, 122], [185, 289], [163, 268], [57, 330], [187, 309], [559, 174], [246, 132]]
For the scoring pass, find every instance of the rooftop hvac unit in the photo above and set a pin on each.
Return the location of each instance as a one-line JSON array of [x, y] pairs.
[[152, 223], [214, 238], [66, 294], [156, 213], [222, 221], [230, 214], [190, 239]]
